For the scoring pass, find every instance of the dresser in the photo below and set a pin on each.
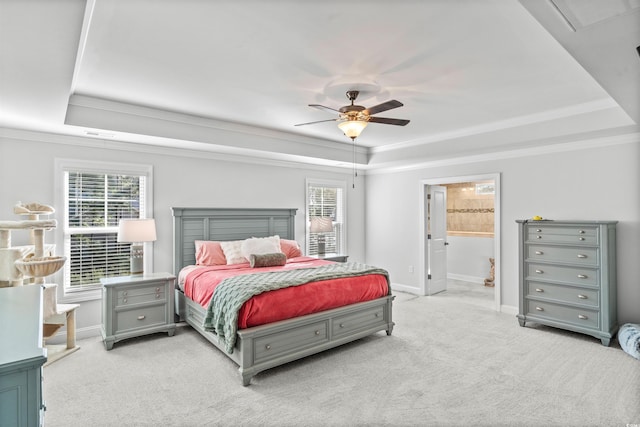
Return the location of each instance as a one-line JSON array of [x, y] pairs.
[[21, 356], [136, 305], [568, 276]]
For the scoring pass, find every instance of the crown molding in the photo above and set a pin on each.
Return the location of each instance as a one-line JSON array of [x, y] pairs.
[[583, 144]]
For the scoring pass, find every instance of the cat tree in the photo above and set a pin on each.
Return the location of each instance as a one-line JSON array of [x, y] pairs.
[[30, 264]]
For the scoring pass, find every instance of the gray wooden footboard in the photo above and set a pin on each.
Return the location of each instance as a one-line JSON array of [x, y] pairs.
[[267, 346]]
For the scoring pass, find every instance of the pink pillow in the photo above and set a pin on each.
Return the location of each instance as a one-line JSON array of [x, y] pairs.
[[290, 248], [209, 253]]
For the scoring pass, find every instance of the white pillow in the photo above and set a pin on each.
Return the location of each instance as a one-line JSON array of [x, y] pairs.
[[232, 252], [260, 246]]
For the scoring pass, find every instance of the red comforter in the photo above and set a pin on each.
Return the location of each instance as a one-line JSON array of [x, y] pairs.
[[289, 302]]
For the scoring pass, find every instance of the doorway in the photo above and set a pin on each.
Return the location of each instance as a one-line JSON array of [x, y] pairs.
[[427, 267]]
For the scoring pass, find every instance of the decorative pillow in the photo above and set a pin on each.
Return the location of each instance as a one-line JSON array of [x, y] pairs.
[[209, 253], [260, 245], [290, 248], [267, 260], [233, 252], [629, 339]]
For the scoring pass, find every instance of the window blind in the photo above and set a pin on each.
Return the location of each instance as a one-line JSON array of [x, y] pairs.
[[326, 200], [94, 205]]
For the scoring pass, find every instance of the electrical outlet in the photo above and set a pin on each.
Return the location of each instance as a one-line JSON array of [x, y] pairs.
[[411, 269]]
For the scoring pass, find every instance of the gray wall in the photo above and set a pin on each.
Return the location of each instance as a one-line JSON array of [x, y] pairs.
[[179, 179], [587, 184]]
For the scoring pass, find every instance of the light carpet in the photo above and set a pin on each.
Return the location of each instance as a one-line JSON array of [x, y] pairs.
[[448, 363]]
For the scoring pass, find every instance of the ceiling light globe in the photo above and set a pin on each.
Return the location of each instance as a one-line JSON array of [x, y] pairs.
[[352, 128]]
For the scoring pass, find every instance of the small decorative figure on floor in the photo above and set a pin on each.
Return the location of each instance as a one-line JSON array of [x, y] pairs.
[[490, 282]]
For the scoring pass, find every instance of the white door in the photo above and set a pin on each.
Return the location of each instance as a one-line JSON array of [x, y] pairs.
[[436, 239]]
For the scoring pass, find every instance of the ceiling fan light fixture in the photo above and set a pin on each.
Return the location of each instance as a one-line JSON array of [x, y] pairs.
[[353, 128]]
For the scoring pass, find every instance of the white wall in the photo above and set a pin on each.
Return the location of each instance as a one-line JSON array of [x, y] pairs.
[[583, 184], [192, 179], [468, 258]]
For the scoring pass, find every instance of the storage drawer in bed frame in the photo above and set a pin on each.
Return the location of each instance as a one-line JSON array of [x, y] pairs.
[[266, 346]]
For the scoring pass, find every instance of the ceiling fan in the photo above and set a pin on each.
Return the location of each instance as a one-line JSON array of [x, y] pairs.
[[352, 119]]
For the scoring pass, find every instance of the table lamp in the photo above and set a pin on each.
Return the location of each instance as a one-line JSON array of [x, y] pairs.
[[136, 232], [321, 225]]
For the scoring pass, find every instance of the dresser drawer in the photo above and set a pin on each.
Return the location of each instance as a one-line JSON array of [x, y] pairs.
[[142, 317], [570, 255], [575, 316], [561, 293], [564, 234], [353, 321], [271, 346], [142, 294], [575, 275]]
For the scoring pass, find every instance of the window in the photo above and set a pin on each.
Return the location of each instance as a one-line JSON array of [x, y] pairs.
[[326, 199], [96, 197]]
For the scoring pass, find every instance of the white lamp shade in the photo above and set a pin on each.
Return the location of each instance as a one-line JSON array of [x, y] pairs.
[[137, 230], [321, 224], [353, 128]]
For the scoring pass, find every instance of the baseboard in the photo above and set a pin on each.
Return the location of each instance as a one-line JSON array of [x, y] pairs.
[[508, 309], [464, 278], [405, 288], [81, 333]]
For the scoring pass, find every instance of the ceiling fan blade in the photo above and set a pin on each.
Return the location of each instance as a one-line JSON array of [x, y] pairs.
[[384, 107], [319, 121], [322, 107], [388, 121]]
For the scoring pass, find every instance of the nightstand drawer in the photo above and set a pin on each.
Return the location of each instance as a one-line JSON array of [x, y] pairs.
[[142, 317], [136, 305], [561, 293], [574, 275], [130, 296], [575, 316], [570, 255]]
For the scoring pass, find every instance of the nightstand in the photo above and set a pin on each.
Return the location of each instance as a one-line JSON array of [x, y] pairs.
[[136, 305], [332, 257]]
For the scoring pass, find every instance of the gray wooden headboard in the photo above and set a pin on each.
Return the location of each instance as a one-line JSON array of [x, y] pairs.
[[222, 224]]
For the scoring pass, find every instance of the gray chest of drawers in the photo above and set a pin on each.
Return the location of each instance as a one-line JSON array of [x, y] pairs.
[[568, 276], [136, 305]]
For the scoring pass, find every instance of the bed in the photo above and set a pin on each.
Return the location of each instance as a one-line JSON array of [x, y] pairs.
[[258, 348]]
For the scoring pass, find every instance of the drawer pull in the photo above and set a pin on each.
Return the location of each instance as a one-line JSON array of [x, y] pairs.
[[539, 290], [157, 289], [539, 253], [124, 293], [538, 237], [582, 276], [539, 271], [539, 308], [317, 332], [582, 256], [157, 296], [342, 325], [538, 230], [582, 317], [267, 347], [141, 317], [377, 314], [582, 296], [581, 232], [124, 300], [581, 238]]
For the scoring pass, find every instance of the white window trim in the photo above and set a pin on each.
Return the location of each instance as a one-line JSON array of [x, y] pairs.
[[91, 166], [327, 183]]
